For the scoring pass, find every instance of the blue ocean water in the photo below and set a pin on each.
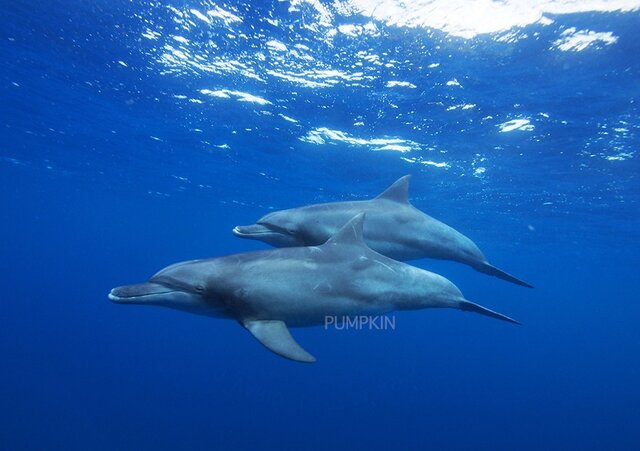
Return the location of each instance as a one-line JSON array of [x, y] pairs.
[[138, 134]]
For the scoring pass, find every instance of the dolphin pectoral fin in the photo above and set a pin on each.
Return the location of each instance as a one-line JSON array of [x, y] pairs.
[[275, 336], [472, 307], [493, 271]]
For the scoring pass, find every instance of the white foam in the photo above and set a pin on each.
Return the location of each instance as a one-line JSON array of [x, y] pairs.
[[276, 45], [435, 164], [462, 106], [318, 78], [200, 16], [395, 148], [324, 16], [402, 84], [516, 124], [470, 18], [369, 29], [578, 40], [150, 34], [239, 95], [297, 79], [479, 171], [287, 118], [622, 156], [180, 39], [324, 135], [226, 16]]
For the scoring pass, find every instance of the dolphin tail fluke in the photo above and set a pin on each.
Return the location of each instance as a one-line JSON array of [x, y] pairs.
[[493, 271], [473, 307], [275, 336]]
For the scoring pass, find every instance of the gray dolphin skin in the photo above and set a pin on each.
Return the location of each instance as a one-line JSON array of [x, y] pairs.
[[270, 290], [394, 228]]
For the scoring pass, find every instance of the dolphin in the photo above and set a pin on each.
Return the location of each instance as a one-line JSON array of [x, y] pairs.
[[268, 291], [394, 228]]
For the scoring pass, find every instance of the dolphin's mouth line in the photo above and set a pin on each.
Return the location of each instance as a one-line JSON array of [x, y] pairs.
[[239, 232], [116, 298]]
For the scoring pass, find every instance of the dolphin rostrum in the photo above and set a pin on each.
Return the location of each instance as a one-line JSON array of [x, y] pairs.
[[394, 228], [270, 290]]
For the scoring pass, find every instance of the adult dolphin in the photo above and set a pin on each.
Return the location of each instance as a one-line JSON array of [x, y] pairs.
[[394, 228], [270, 290]]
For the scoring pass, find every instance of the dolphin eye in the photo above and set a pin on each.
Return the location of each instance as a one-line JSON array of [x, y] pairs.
[[199, 288]]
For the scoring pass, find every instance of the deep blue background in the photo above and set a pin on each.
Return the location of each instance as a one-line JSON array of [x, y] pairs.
[[90, 202]]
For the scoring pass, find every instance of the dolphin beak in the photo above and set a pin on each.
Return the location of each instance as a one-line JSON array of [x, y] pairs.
[[138, 292], [251, 231]]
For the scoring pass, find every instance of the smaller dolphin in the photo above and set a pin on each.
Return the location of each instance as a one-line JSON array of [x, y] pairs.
[[394, 228], [267, 291]]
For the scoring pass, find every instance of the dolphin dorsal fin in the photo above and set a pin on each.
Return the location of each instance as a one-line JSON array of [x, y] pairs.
[[350, 233], [398, 192]]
